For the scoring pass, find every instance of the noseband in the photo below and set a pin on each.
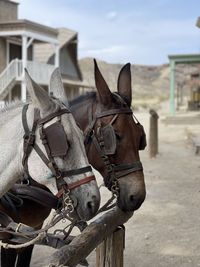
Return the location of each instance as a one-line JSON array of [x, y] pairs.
[[114, 171], [54, 140]]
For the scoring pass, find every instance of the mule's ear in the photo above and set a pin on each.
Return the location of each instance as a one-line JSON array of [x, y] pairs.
[[124, 83], [104, 93], [57, 88], [39, 96]]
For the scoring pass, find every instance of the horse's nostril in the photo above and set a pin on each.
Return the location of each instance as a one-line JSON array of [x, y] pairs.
[[89, 205]]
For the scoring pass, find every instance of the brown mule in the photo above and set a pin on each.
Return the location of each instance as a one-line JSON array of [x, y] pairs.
[[107, 118], [120, 145]]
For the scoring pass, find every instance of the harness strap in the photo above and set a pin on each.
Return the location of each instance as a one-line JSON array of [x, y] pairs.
[[109, 167], [42, 156]]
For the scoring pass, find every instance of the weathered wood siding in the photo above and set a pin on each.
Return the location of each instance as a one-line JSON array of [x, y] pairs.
[[8, 11]]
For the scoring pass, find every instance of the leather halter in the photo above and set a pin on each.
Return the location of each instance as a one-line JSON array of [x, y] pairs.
[[114, 171], [49, 160]]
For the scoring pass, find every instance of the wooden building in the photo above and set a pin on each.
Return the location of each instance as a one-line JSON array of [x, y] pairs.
[[182, 59], [194, 100], [40, 49]]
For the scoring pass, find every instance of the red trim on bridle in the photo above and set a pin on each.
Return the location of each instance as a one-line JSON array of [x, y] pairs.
[[75, 185]]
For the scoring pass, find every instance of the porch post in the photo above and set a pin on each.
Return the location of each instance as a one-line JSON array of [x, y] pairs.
[[172, 86], [24, 63], [57, 55], [7, 52]]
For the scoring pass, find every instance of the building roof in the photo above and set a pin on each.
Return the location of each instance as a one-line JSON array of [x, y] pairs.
[[11, 1], [23, 24], [185, 58], [43, 52]]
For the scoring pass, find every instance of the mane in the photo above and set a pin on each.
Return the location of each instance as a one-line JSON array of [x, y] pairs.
[[85, 97], [118, 99], [12, 105]]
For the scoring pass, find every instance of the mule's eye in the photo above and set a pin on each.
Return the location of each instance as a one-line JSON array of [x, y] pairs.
[[118, 136]]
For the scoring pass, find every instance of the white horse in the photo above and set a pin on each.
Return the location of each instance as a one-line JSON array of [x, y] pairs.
[[11, 145]]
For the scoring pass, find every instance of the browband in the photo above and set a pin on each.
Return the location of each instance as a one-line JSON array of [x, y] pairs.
[[114, 112], [53, 115]]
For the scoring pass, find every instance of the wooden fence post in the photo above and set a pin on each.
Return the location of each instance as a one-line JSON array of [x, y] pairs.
[[153, 133], [110, 253]]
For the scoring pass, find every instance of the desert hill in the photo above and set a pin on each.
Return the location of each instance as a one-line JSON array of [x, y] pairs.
[[149, 83]]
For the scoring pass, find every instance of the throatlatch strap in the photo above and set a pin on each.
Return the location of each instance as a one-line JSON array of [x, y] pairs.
[[29, 138]]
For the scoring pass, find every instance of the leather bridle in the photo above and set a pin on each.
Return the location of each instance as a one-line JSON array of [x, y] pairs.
[[114, 171], [49, 159]]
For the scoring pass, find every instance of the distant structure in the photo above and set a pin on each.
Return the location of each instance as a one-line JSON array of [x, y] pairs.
[[194, 101], [40, 49]]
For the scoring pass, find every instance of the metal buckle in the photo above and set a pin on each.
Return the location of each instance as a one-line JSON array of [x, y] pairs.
[[67, 202], [30, 138], [115, 188]]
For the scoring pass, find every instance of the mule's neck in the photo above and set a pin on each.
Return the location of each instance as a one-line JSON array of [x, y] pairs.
[[84, 111]]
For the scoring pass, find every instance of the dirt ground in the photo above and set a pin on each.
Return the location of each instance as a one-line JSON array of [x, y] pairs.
[[165, 232]]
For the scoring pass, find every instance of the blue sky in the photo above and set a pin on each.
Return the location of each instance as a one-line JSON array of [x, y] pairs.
[[120, 31]]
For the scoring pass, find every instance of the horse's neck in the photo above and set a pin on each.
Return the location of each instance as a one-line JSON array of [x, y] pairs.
[[11, 136]]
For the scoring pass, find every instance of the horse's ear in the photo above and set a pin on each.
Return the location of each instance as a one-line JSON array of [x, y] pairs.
[[57, 88], [124, 83], [39, 96], [104, 93]]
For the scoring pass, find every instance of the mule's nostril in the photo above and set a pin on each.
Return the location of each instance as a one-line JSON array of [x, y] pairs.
[[132, 198]]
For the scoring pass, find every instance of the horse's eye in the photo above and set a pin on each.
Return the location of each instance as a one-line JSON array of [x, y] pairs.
[[68, 144]]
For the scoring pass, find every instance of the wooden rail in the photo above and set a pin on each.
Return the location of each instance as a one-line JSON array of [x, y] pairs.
[[93, 235]]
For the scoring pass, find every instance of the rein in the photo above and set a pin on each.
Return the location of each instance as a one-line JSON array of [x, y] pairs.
[[54, 141], [114, 171]]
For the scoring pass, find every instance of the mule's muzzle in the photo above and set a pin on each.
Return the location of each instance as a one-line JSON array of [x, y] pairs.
[[132, 192], [130, 202]]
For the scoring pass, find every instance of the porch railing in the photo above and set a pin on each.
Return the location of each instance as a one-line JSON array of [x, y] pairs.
[[10, 73], [40, 72]]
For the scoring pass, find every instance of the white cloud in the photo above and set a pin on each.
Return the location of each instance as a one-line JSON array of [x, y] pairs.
[[112, 15]]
